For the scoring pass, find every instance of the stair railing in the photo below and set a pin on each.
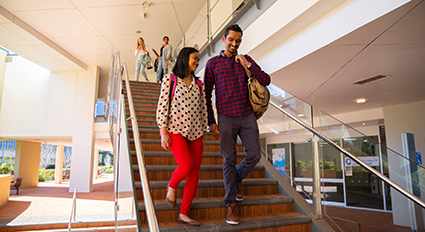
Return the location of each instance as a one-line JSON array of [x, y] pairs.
[[316, 174], [150, 210]]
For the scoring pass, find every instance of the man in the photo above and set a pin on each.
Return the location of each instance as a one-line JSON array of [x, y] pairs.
[[164, 59], [235, 115]]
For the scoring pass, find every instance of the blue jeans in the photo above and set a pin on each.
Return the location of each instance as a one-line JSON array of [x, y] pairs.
[[140, 68], [247, 128], [161, 72]]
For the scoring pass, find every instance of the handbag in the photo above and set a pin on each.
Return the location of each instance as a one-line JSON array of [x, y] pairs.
[[146, 59], [258, 94]]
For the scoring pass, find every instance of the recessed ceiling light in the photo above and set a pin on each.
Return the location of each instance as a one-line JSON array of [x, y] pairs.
[[138, 32], [360, 100], [300, 115], [364, 124]]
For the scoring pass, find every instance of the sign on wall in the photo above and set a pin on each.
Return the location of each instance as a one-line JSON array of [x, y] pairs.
[[279, 160]]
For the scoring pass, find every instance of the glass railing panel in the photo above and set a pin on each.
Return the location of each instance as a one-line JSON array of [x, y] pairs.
[[293, 105], [340, 224], [403, 171]]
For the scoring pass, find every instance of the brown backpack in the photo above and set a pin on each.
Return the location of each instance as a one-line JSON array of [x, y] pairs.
[[258, 94]]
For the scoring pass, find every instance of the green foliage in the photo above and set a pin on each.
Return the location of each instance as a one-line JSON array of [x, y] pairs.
[[5, 168], [108, 170], [327, 165], [46, 174]]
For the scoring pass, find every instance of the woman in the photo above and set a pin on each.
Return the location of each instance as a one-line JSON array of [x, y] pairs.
[[182, 120], [12, 178], [143, 58]]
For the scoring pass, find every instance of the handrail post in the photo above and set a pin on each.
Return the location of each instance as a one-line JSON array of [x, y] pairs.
[[317, 199], [73, 209]]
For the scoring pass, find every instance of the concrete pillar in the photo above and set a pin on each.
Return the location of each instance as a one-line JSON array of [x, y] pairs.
[[27, 162], [95, 163], [59, 164], [83, 135]]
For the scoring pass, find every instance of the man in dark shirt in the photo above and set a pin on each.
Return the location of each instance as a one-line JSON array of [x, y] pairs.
[[235, 115]]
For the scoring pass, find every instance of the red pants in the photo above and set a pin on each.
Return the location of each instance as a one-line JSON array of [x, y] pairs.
[[188, 155]]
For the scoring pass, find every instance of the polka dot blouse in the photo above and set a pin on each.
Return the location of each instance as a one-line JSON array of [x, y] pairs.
[[188, 112]]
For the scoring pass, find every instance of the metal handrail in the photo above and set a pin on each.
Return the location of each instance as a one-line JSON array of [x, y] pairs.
[[150, 210], [73, 209], [353, 157]]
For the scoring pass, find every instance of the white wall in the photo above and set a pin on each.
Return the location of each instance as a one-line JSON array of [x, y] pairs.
[[400, 119], [3, 55], [37, 103]]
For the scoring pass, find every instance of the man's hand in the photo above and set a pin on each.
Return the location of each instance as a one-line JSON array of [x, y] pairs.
[[214, 131], [241, 59]]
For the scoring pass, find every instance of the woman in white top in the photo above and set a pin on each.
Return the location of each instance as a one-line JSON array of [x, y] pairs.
[[143, 58], [182, 120]]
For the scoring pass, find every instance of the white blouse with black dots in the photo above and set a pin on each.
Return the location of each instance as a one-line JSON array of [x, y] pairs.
[[188, 110]]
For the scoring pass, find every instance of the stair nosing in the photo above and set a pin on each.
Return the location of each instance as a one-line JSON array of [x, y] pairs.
[[210, 183]]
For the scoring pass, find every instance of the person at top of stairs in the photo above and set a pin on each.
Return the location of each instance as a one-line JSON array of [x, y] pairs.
[[235, 115], [143, 59], [182, 119]]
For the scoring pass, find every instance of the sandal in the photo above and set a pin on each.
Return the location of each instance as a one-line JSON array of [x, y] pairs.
[[172, 204]]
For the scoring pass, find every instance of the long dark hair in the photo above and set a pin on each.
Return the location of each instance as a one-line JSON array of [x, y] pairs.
[[181, 69]]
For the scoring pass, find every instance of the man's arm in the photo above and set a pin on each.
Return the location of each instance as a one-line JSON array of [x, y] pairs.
[[209, 84], [255, 69]]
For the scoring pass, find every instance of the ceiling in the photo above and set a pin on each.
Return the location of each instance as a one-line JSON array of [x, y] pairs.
[[91, 30], [392, 45]]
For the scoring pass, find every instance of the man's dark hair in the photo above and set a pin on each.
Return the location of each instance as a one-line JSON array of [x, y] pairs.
[[234, 27], [165, 37], [181, 69]]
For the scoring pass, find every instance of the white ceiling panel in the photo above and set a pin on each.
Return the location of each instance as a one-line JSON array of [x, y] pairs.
[[58, 23], [34, 52], [25, 5], [55, 66], [10, 38], [86, 46], [22, 33], [4, 20]]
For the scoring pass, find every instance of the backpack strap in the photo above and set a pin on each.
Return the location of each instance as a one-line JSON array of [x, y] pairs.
[[173, 84], [199, 83]]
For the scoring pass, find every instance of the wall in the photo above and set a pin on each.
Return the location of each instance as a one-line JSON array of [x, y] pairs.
[[400, 119], [39, 104], [27, 162], [4, 189], [3, 55]]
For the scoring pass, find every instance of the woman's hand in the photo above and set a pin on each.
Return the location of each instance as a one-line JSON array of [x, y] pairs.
[[165, 139]]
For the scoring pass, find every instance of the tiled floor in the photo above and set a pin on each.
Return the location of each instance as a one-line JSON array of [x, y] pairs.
[[51, 203]]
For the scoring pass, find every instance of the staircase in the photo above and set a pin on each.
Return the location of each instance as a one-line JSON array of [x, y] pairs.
[[263, 209]]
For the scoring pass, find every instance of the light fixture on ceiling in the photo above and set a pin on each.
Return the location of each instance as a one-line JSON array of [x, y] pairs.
[[146, 5], [361, 100], [138, 32], [300, 115], [142, 17]]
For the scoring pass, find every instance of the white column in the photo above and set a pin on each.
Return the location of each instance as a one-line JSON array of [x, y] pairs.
[[95, 163], [83, 135], [59, 164]]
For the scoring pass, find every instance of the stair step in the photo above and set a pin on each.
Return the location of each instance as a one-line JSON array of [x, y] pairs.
[[207, 172], [203, 209], [276, 222], [158, 168], [211, 183]]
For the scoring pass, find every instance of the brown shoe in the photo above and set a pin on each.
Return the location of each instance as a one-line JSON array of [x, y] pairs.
[[232, 214], [239, 196], [172, 204], [190, 222]]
